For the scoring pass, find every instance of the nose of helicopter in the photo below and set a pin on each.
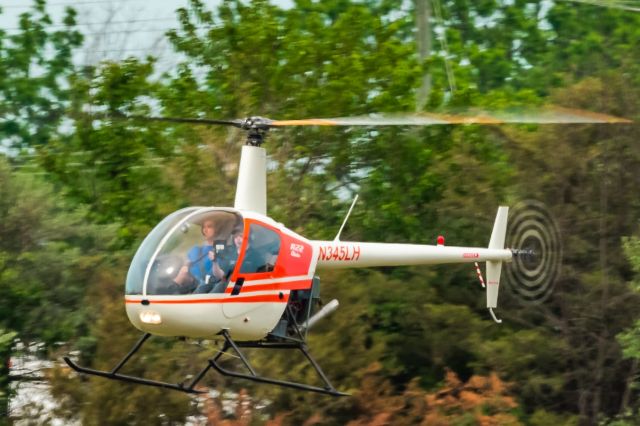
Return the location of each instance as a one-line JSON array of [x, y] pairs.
[[188, 317], [200, 316], [170, 264]]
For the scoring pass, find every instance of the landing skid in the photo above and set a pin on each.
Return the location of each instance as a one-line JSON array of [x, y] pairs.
[[229, 343]]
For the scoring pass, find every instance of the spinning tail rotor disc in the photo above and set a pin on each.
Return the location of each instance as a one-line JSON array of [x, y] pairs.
[[534, 238]]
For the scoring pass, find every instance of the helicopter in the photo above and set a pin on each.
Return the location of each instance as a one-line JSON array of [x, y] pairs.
[[252, 283]]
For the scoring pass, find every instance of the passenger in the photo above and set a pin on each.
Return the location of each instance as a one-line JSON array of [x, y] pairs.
[[254, 261], [262, 258], [228, 259]]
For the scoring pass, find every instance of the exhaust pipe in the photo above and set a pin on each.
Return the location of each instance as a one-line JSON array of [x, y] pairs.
[[326, 310]]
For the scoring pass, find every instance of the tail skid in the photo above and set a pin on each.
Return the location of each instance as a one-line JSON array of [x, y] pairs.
[[494, 268]]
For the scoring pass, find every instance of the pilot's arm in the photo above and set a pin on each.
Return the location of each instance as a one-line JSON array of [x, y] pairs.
[[183, 276], [217, 271]]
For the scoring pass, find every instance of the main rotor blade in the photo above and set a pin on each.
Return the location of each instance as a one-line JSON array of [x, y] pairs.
[[552, 115], [203, 121], [545, 115]]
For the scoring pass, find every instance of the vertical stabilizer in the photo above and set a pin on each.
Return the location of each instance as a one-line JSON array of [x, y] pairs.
[[494, 268], [499, 229], [251, 191]]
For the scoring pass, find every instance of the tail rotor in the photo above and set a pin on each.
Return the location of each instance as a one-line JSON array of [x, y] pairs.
[[534, 239]]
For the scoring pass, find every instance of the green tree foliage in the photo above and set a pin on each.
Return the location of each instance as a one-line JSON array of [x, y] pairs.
[[525, 46], [121, 182], [48, 253], [48, 257], [629, 339], [587, 180], [590, 41], [35, 64]]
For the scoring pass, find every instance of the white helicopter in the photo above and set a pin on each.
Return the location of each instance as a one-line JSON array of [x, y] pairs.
[[236, 275]]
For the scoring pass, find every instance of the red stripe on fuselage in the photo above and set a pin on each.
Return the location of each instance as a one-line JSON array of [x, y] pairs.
[[233, 299], [292, 285]]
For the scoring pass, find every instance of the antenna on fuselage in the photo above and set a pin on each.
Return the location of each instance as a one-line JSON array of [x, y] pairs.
[[337, 238]]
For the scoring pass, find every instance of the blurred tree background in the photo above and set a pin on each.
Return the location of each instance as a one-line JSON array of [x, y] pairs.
[[412, 345]]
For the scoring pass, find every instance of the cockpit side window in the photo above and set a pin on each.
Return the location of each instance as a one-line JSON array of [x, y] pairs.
[[262, 250]]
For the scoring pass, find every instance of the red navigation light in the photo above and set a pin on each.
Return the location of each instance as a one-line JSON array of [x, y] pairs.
[[440, 240]]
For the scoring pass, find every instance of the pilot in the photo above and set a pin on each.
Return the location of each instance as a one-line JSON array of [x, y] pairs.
[[230, 256], [202, 270]]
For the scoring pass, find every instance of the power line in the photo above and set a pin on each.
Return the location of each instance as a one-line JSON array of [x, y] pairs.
[[109, 32], [437, 7], [123, 50], [632, 6], [132, 21], [78, 3]]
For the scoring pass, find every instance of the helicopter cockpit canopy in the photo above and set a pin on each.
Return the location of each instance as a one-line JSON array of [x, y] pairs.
[[177, 257]]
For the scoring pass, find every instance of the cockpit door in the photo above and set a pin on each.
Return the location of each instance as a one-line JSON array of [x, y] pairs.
[[273, 262], [254, 280]]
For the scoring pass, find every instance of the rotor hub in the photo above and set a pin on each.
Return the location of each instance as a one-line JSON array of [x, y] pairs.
[[528, 255], [257, 128]]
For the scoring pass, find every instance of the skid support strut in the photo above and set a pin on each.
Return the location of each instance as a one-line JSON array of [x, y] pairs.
[[114, 375], [231, 344]]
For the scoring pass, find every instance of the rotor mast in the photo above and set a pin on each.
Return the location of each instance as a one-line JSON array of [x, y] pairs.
[[251, 190]]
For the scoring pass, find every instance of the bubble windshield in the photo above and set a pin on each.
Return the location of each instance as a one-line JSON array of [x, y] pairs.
[[135, 276], [197, 255]]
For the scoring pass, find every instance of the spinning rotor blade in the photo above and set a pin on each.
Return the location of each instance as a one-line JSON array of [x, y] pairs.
[[552, 115], [211, 121], [257, 127], [235, 123], [549, 115]]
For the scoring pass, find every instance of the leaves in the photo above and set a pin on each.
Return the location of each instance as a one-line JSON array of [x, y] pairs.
[[35, 64]]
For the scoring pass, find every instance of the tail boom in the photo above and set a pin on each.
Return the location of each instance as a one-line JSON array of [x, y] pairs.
[[345, 254]]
